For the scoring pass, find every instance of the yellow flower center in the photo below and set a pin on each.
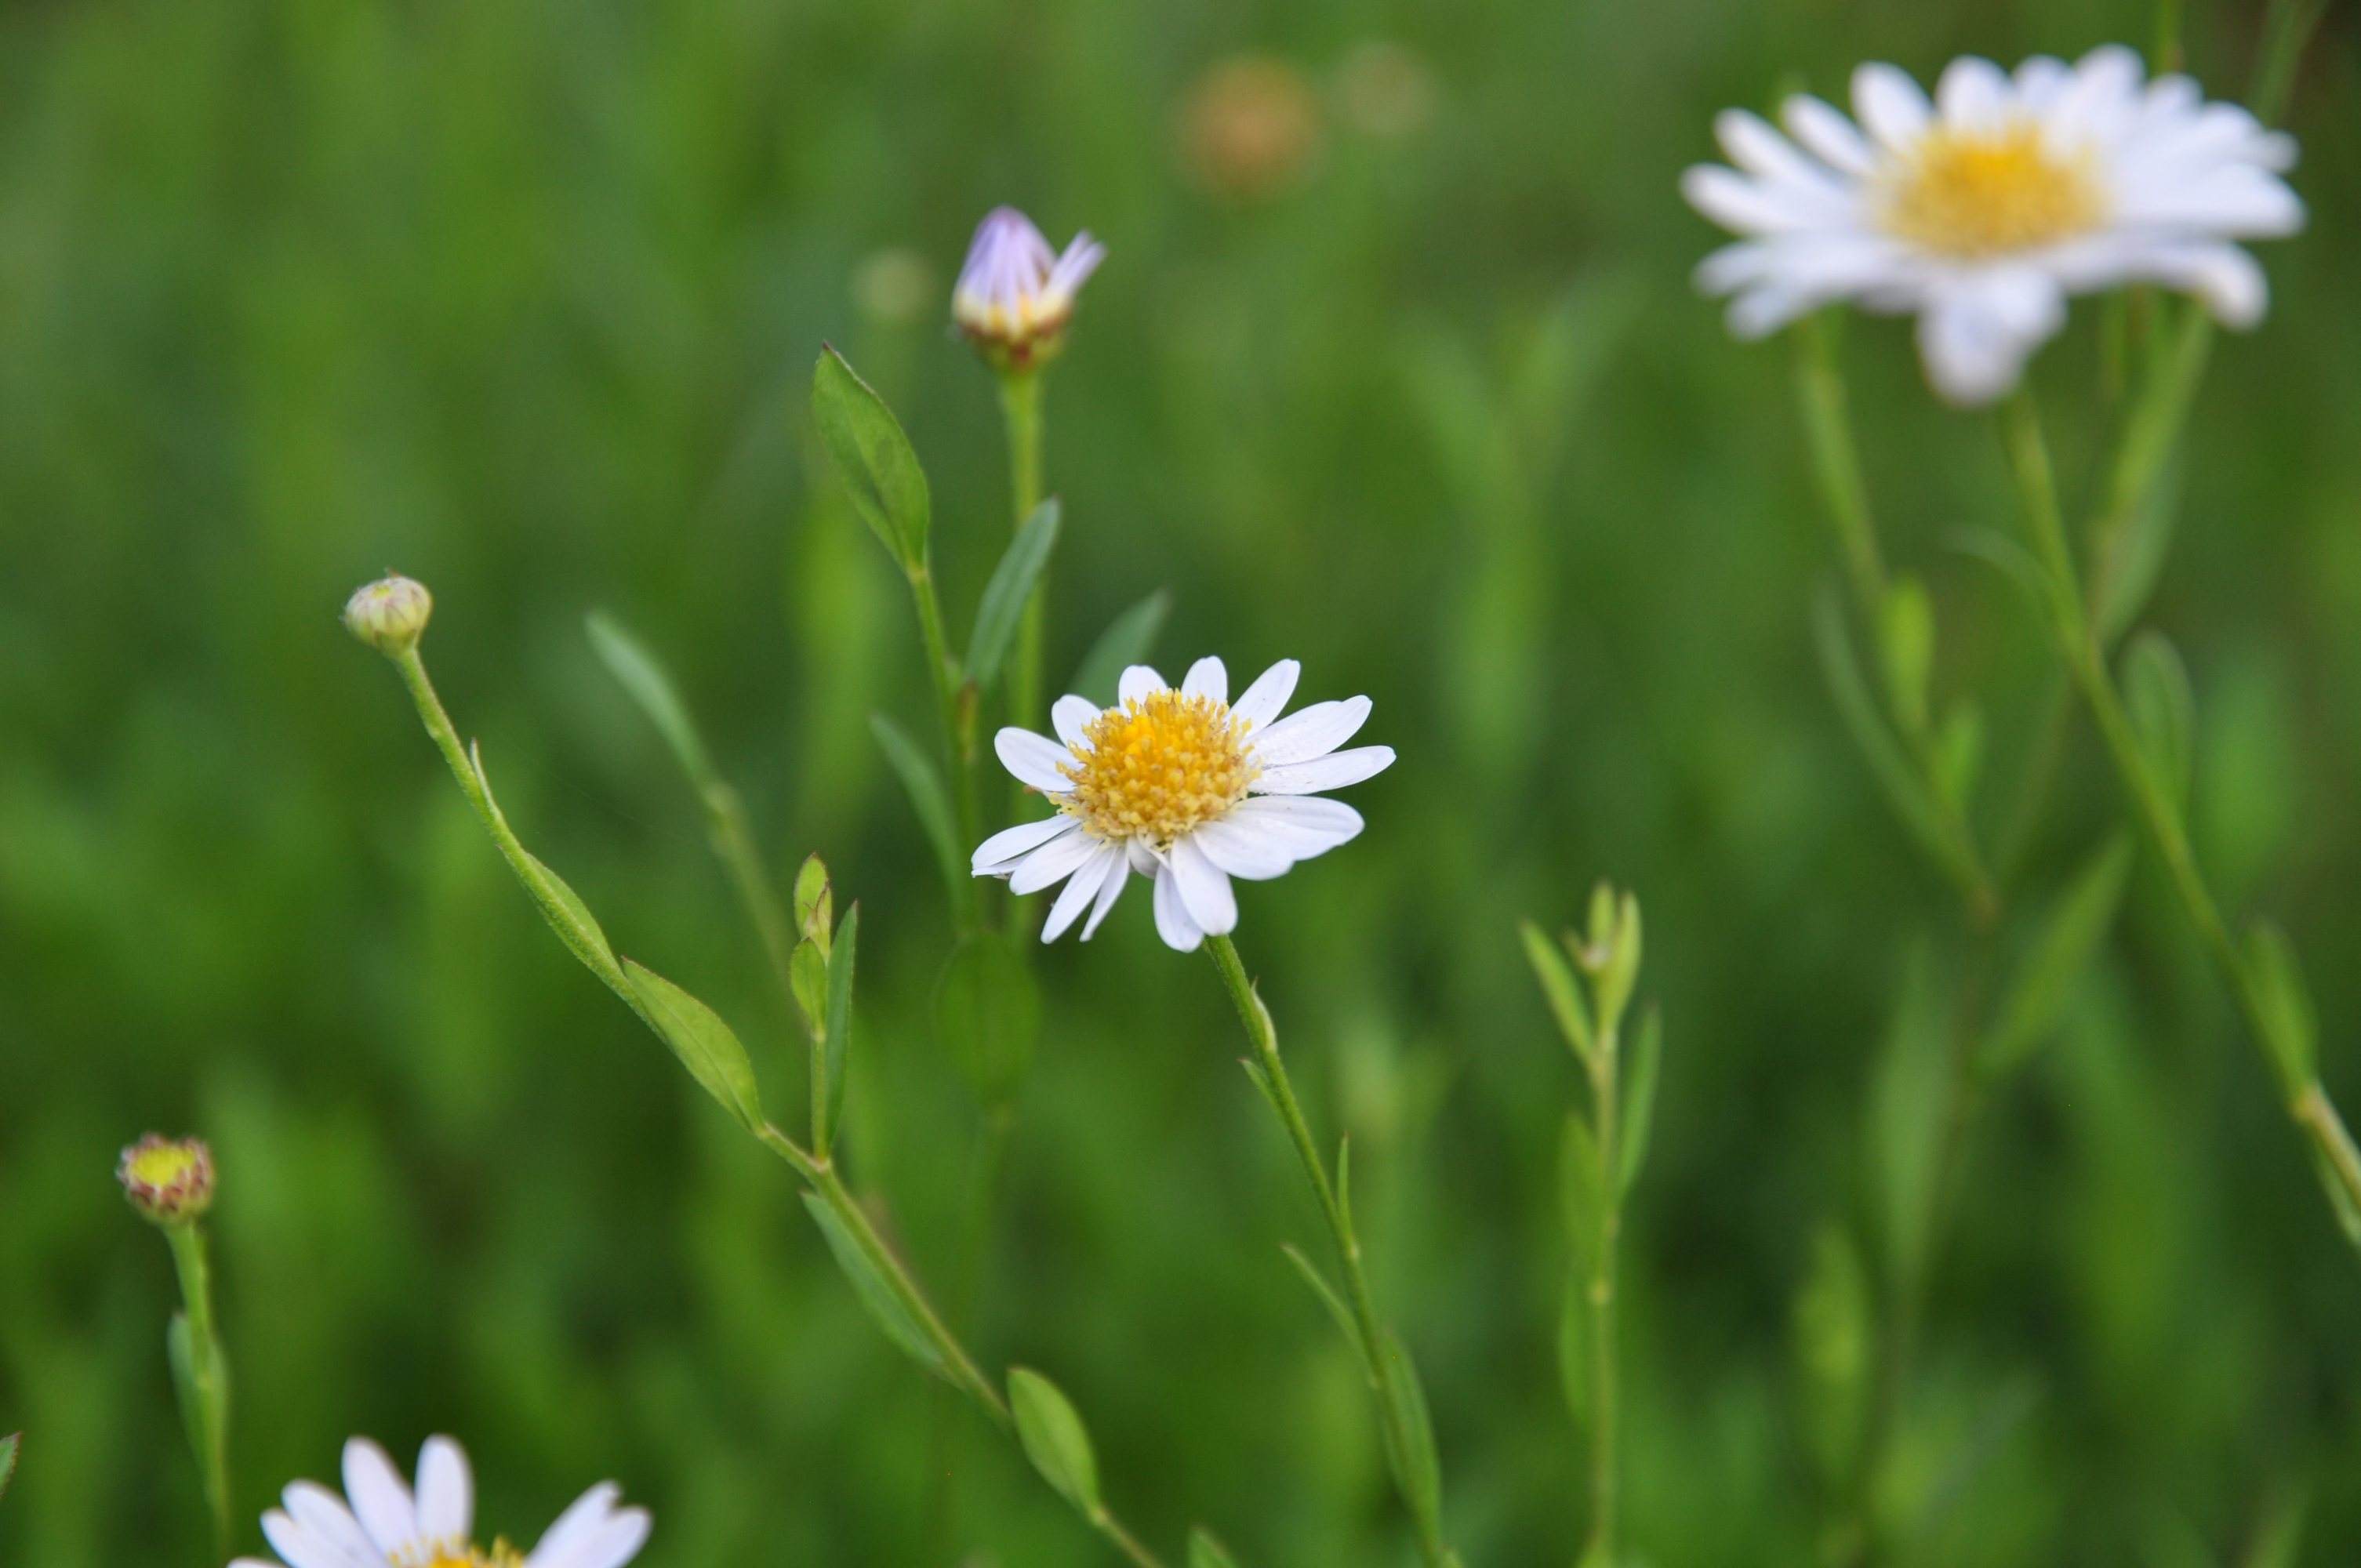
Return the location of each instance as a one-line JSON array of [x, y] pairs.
[[1979, 194], [462, 1554], [162, 1164], [1158, 766]]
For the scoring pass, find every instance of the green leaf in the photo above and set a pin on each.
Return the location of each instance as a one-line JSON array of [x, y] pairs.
[[1414, 1461], [1574, 1349], [815, 902], [13, 1441], [1858, 707], [923, 782], [1204, 1552], [1054, 1437], [808, 974], [1906, 1109], [2070, 933], [881, 472], [1960, 752], [1329, 1298], [1907, 639], [1003, 605], [1621, 974], [876, 1294], [988, 1009], [1578, 1189], [1126, 640], [2010, 559], [837, 1045], [708, 1048], [2128, 575], [2293, 1031], [1832, 1324], [2163, 709], [1558, 986], [652, 687], [1640, 1096], [560, 904]]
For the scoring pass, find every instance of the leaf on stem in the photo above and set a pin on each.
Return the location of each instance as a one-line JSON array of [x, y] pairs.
[[923, 782], [1907, 639], [1004, 597], [560, 904], [1906, 1112], [1126, 640], [885, 1306], [1204, 1552], [1878, 746], [1640, 1096], [707, 1046], [13, 1441], [2135, 558], [1054, 1437], [880, 470], [2070, 934], [1564, 997], [651, 686], [1409, 1433], [1330, 1299], [2293, 1030], [1832, 1324], [1580, 1191], [815, 902], [988, 1008], [2163, 710], [836, 1047]]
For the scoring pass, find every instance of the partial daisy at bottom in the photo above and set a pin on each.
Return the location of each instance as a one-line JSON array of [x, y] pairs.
[[380, 1523], [1982, 210], [1183, 787]]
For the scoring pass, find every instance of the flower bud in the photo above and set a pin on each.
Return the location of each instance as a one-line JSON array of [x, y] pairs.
[[169, 1181], [1014, 294], [390, 614]]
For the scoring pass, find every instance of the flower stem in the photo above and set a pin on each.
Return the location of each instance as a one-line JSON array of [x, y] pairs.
[[1020, 407], [1372, 1335], [954, 703], [204, 1388], [2158, 810], [1605, 1093]]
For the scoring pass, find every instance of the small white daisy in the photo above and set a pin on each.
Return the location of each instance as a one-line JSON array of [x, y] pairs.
[[1014, 294], [1981, 211], [385, 1527], [1183, 787]]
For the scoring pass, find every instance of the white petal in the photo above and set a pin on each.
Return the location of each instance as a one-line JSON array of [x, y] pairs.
[[1975, 93], [1143, 859], [1033, 759], [1139, 681], [1207, 678], [1308, 824], [1172, 923], [1333, 772], [1109, 890], [1205, 889], [1751, 206], [1052, 862], [1890, 106], [380, 1501], [615, 1541], [1976, 337], [323, 1513], [1310, 732], [1755, 148], [1245, 850], [1080, 889], [1069, 717], [2039, 80], [446, 1492], [998, 855], [575, 1526], [1268, 694], [1825, 134], [303, 1548]]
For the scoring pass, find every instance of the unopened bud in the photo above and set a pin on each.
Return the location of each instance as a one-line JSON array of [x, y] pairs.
[[1014, 295], [171, 1181], [390, 614]]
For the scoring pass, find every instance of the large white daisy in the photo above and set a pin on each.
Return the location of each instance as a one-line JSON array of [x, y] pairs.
[[1981, 211], [384, 1526], [1184, 787]]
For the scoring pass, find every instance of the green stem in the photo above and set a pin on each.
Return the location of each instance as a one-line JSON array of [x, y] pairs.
[[1264, 1039], [733, 845], [1606, 1099], [2158, 809], [955, 708], [208, 1375], [1020, 407]]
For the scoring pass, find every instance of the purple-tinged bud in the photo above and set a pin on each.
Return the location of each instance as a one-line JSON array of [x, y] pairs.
[[1014, 294], [169, 1181], [390, 614]]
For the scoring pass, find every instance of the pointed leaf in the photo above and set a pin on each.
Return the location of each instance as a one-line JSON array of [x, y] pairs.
[[708, 1048], [2129, 573], [1330, 1298], [1960, 752], [560, 906], [2163, 709], [1125, 642], [1831, 1321], [876, 1294], [1005, 597], [1907, 639], [923, 782], [1558, 987], [1415, 1463], [1204, 1552], [1906, 1105], [1858, 707], [9, 1447], [1054, 1437], [881, 472], [808, 974], [652, 687], [837, 1046], [2293, 1031], [1640, 1096], [815, 902], [2070, 934]]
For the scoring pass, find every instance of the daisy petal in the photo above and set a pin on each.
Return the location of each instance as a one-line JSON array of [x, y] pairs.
[[575, 1526], [1035, 760], [1243, 849], [1172, 923], [1052, 863], [1827, 134], [1205, 889], [1264, 700], [1069, 717], [1311, 732], [1891, 107], [323, 1513], [998, 855], [1207, 678], [1139, 682], [446, 1492], [380, 1501], [1109, 890], [1307, 824], [303, 1548], [616, 1539], [1333, 772], [1080, 890]]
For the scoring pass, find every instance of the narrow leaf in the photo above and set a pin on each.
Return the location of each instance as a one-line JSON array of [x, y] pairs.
[[1640, 1096], [923, 782], [708, 1048], [876, 1294], [881, 472], [1126, 640], [808, 974], [1330, 1298], [2163, 708], [1906, 640], [1415, 1463], [13, 1441], [1204, 1552], [814, 903], [1578, 1189], [1832, 1327], [652, 687], [1054, 1437], [1858, 707], [2128, 575], [1004, 597], [560, 906], [838, 1046], [2294, 1028], [1905, 1115], [2070, 933], [1558, 986]]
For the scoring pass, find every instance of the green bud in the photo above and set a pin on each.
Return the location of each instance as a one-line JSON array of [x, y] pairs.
[[390, 614], [169, 1181]]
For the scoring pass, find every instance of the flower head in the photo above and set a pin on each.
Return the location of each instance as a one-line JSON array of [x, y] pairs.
[[1980, 210], [390, 614], [379, 1523], [169, 1181], [1184, 787], [1014, 294]]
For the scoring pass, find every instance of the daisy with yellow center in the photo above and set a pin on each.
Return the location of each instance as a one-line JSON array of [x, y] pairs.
[[379, 1523], [1184, 787], [1980, 210]]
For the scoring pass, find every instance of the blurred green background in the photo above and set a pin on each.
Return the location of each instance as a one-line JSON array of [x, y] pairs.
[[1393, 368]]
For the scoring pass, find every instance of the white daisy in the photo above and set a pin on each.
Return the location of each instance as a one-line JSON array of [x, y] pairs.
[[385, 1527], [1184, 787], [1981, 211], [1014, 294]]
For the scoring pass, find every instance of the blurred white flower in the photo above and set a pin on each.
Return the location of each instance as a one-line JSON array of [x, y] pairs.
[[1981, 211], [1014, 294], [1184, 787], [383, 1525]]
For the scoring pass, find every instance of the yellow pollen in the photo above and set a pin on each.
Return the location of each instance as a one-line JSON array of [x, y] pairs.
[[1980, 194], [161, 1164], [1158, 767], [461, 1555]]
